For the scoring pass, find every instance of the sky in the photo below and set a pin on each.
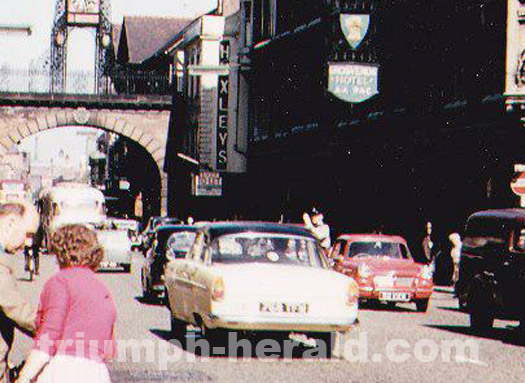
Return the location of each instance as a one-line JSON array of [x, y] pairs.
[[74, 141], [39, 15], [22, 51]]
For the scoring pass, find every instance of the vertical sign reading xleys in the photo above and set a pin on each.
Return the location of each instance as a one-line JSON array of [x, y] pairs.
[[222, 111]]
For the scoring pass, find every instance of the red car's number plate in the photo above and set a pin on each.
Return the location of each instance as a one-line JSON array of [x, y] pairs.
[[394, 296]]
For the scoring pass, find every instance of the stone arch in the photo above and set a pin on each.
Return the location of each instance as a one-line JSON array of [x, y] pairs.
[[13, 131]]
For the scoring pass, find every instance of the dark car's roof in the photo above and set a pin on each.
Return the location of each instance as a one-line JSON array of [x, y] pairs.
[[216, 229], [500, 214], [174, 228]]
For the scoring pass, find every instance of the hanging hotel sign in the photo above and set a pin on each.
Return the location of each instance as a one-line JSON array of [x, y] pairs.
[[354, 28], [353, 82]]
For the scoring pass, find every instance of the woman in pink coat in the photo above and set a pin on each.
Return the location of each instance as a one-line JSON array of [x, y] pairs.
[[76, 315]]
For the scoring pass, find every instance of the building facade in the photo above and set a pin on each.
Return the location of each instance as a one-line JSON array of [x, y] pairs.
[[384, 114], [208, 132]]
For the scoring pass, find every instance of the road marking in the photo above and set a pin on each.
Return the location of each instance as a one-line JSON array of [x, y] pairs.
[[461, 359]]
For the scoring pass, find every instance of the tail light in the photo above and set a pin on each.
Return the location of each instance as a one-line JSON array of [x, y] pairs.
[[352, 293], [217, 293]]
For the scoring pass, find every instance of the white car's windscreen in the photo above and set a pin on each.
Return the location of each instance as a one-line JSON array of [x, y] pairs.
[[266, 248]]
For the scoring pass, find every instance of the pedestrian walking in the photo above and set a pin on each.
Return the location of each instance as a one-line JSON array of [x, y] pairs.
[[17, 221], [76, 315], [455, 254], [314, 221], [427, 243]]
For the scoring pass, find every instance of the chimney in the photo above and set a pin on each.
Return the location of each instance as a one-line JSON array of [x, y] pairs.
[[220, 7]]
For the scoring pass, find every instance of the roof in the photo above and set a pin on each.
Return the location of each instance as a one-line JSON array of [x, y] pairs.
[[145, 35], [216, 229], [117, 28], [372, 237], [163, 232], [500, 214], [174, 228], [72, 192]]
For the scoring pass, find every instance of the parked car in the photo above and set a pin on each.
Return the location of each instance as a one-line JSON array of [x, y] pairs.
[[384, 268], [169, 242], [129, 225], [248, 276], [117, 249], [492, 267]]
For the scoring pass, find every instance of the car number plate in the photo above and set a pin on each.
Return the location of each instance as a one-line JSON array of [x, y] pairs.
[[393, 296], [279, 307], [108, 264]]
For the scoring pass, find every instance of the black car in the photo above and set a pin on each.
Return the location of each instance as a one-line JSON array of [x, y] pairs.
[[153, 223], [492, 267], [168, 242]]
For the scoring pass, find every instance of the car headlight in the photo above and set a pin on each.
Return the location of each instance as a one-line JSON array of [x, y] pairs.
[[426, 272], [352, 293], [217, 292], [363, 271]]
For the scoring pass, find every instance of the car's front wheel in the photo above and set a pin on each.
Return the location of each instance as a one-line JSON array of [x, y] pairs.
[[481, 317], [422, 305], [147, 294], [325, 342], [178, 329]]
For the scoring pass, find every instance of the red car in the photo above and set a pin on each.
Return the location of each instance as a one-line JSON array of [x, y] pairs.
[[384, 269]]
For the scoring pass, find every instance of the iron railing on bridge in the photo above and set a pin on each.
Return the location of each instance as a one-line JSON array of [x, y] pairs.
[[14, 80]]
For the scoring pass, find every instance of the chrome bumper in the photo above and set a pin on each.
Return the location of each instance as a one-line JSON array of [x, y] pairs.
[[263, 323]]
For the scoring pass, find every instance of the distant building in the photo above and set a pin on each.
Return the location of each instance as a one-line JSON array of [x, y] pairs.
[[208, 130], [15, 166], [138, 70], [384, 113]]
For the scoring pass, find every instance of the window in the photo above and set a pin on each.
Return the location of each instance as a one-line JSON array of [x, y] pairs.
[[268, 18], [266, 248], [193, 80], [379, 249], [248, 23]]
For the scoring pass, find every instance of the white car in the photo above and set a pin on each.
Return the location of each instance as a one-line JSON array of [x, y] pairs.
[[117, 249], [259, 277]]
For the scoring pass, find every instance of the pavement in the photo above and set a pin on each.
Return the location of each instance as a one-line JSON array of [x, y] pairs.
[[389, 344]]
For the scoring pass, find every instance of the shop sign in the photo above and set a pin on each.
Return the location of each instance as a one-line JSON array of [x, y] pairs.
[[354, 28], [222, 123], [224, 52], [353, 82], [207, 184]]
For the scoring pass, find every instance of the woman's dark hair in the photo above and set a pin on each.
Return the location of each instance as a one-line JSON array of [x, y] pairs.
[[76, 245]]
